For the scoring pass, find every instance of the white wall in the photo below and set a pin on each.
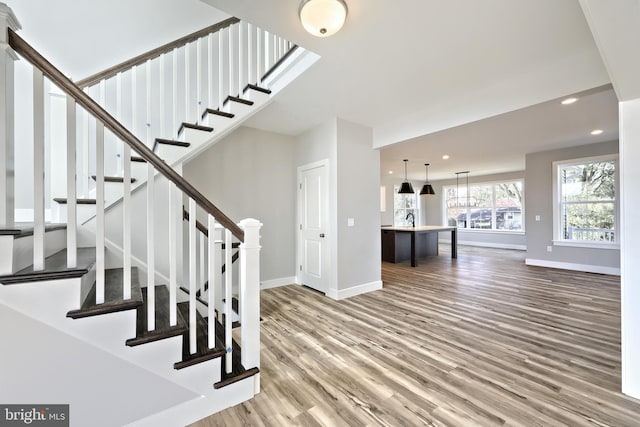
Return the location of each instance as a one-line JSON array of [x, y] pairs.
[[251, 174], [101, 389], [354, 192], [358, 180]]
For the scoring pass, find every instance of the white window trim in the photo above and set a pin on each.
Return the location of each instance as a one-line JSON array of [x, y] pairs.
[[557, 226], [492, 230]]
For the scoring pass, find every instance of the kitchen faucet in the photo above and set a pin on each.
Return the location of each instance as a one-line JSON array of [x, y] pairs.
[[413, 219]]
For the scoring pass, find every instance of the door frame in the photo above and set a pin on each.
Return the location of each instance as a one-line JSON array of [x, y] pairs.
[[326, 259]]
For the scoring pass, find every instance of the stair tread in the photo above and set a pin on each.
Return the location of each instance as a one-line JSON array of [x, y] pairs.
[[217, 113], [63, 201], [238, 372], [238, 100], [163, 329], [26, 229], [186, 125], [257, 88], [138, 159], [163, 141], [203, 352], [113, 179], [113, 301], [55, 268]]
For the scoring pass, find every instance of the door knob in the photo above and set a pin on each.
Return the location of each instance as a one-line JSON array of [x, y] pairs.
[[321, 234]]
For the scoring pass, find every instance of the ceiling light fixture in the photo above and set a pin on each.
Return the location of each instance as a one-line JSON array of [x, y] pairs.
[[427, 189], [406, 187], [445, 157], [569, 101], [322, 18], [596, 132]]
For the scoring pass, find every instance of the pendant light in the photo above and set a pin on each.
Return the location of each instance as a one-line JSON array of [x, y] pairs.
[[427, 189], [406, 187], [322, 18]]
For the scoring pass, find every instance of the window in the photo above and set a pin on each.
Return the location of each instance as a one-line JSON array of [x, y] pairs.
[[585, 208], [487, 206], [403, 205]]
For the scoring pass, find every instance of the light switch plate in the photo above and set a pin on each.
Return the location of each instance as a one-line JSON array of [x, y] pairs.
[[350, 222]]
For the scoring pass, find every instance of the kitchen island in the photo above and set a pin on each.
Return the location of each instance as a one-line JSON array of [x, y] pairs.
[[406, 242]]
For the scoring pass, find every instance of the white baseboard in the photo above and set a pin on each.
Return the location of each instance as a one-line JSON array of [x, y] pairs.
[[574, 267], [487, 244], [339, 294], [275, 283]]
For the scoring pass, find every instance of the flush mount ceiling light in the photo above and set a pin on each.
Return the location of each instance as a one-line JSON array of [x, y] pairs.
[[569, 101], [596, 132], [427, 189], [406, 187], [322, 18]]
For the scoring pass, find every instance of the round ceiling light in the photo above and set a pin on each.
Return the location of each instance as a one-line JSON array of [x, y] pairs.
[[322, 18]]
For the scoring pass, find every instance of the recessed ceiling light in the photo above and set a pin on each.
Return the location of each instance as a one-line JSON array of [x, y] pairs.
[[445, 157], [569, 101], [596, 132], [390, 172]]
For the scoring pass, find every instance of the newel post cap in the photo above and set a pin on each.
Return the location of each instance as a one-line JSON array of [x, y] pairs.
[[251, 228], [7, 20]]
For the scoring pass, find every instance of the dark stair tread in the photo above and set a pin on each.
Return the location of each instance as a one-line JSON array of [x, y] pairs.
[[113, 179], [203, 352], [238, 100], [138, 159], [238, 372], [162, 141], [217, 113], [257, 88], [55, 267], [63, 201], [162, 327], [26, 229], [186, 125], [234, 378], [113, 301]]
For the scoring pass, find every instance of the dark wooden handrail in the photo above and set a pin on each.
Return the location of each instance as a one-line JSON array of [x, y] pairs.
[[93, 108], [154, 53], [280, 61]]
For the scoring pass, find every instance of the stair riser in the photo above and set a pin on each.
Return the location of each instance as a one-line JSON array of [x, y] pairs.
[[16, 254], [256, 96], [83, 212]]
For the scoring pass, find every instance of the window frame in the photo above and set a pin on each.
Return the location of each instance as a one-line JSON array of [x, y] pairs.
[[493, 206], [558, 238], [396, 188]]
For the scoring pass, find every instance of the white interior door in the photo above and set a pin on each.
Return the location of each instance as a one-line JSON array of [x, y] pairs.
[[312, 228]]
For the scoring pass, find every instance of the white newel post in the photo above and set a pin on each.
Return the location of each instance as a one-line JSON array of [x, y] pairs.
[[7, 57], [250, 296]]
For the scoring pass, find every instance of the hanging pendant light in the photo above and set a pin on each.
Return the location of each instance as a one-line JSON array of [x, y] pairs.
[[322, 18], [427, 189], [406, 187]]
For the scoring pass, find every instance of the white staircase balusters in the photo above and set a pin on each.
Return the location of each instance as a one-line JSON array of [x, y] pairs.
[[193, 285], [230, 60], [221, 68], [174, 223], [228, 296], [72, 222], [38, 170], [213, 255], [126, 223], [241, 53], [100, 264]]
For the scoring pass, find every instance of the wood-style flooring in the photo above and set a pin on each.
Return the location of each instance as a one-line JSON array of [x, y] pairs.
[[481, 340]]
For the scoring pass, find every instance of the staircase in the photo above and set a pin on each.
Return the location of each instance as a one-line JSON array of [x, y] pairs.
[[137, 264]]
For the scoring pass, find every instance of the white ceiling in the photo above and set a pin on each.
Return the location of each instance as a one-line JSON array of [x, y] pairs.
[[419, 70], [409, 69]]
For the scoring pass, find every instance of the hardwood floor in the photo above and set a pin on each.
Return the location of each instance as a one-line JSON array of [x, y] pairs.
[[481, 340]]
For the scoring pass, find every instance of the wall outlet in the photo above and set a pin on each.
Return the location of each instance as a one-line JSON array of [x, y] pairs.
[[350, 222], [537, 217], [549, 248]]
